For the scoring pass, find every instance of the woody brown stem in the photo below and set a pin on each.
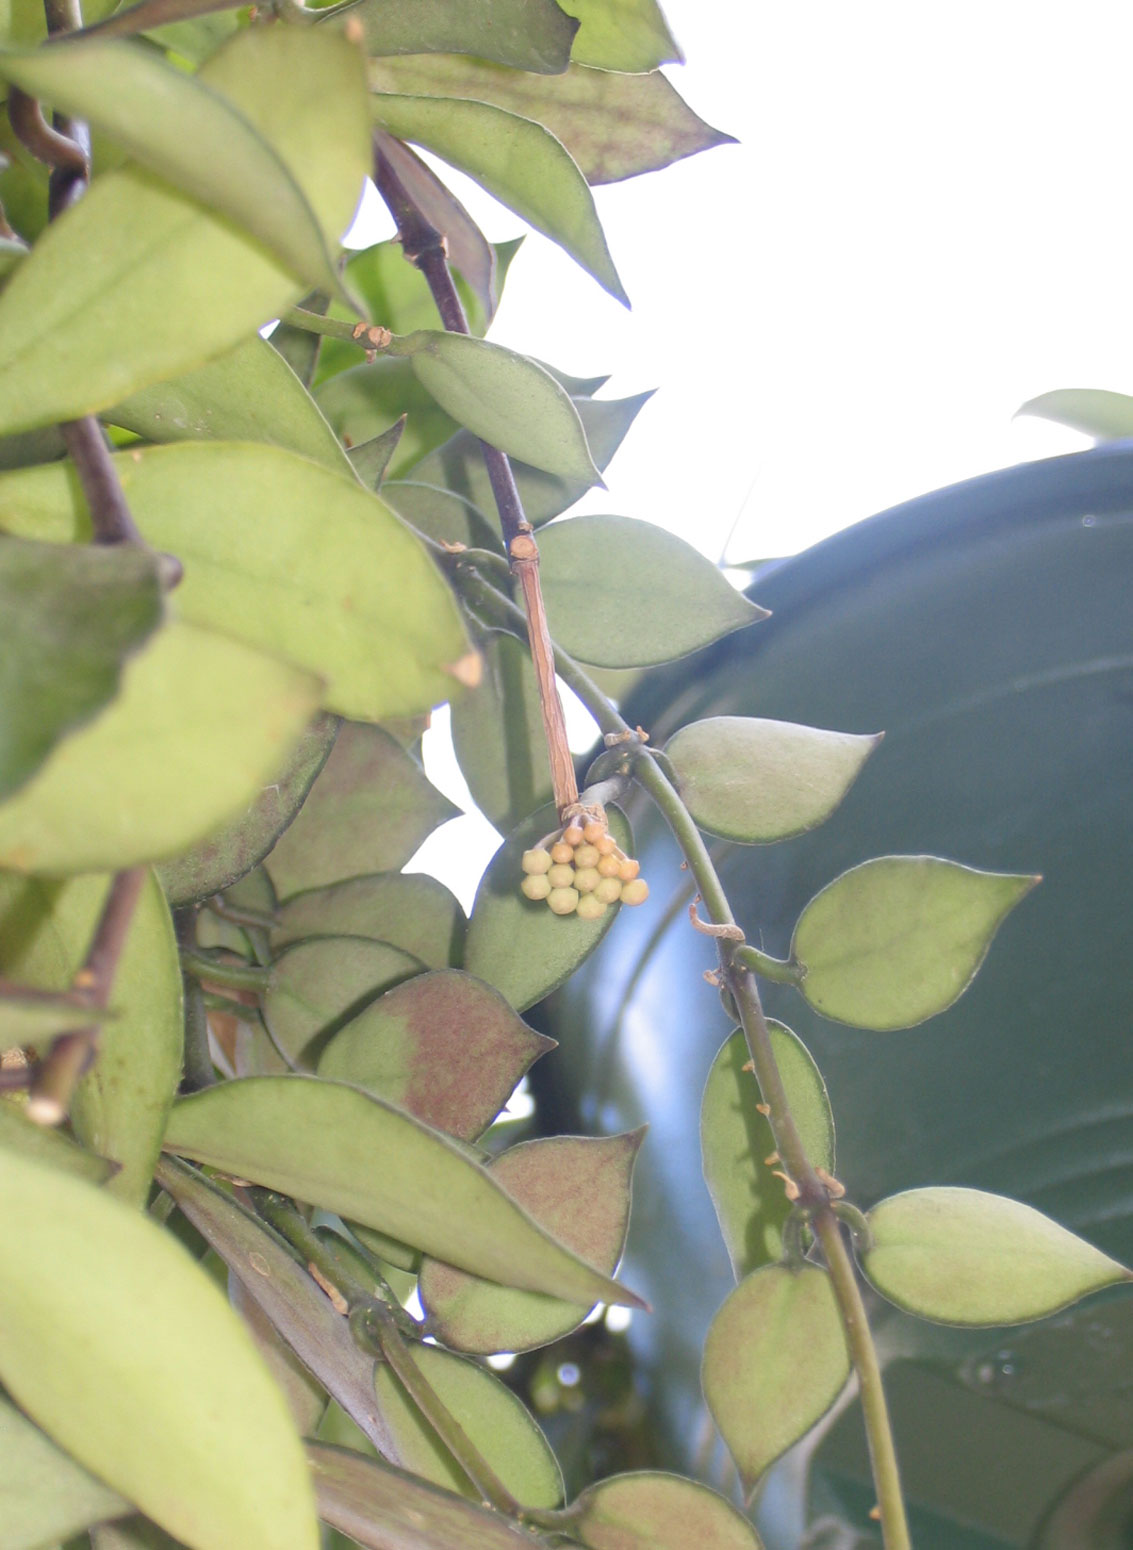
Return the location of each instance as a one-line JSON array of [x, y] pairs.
[[425, 247]]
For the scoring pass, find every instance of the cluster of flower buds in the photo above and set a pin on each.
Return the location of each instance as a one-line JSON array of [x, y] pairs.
[[580, 870]]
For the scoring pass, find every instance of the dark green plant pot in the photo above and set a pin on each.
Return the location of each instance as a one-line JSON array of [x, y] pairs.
[[987, 628]]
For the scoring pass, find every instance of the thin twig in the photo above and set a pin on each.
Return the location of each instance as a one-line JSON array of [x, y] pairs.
[[47, 145], [56, 1077], [424, 246]]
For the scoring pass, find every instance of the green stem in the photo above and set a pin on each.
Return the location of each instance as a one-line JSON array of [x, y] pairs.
[[738, 960], [367, 336], [781, 971], [863, 1353], [240, 915], [237, 976], [398, 1353]]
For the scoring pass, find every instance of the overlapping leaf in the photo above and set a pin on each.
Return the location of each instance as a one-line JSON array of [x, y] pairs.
[[497, 732], [221, 859], [248, 394], [369, 810], [459, 465], [441, 515], [44, 1495], [577, 1187], [87, 320], [69, 620], [653, 1511], [961, 1256], [518, 161], [614, 125], [775, 1360], [298, 1308], [318, 986], [506, 399], [624, 593], [121, 1103], [202, 723], [148, 1379], [492, 1418], [527, 34], [754, 781], [895, 940], [444, 1047], [520, 947], [335, 1146], [194, 137], [44, 1145], [409, 910], [284, 554], [629, 35], [384, 1509], [736, 1143]]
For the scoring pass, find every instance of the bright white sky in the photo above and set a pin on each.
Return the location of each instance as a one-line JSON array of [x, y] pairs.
[[925, 224]]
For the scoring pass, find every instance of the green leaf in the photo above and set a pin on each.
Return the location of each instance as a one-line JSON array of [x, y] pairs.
[[470, 253], [44, 1495], [624, 593], [653, 1511], [287, 556], [497, 732], [148, 1378], [201, 724], [440, 515], [369, 400], [756, 781], [504, 398], [614, 125], [368, 811], [517, 161], [1092, 410], [69, 620], [491, 1417], [442, 1046], [775, 1360], [736, 1140], [627, 35], [409, 910], [306, 1397], [71, 345], [578, 1188], [372, 458], [372, 1502], [895, 940], [337, 1147], [459, 463], [248, 394], [527, 34], [174, 125], [296, 1305], [960, 1256], [318, 986], [223, 858], [132, 1533], [519, 946], [48, 1146], [121, 1104]]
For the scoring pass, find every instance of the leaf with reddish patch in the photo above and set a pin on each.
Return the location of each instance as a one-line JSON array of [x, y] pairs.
[[368, 811], [316, 987], [576, 1187], [444, 1046], [406, 909]]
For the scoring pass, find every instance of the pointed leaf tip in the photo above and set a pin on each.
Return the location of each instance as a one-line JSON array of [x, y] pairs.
[[898, 939], [961, 1256]]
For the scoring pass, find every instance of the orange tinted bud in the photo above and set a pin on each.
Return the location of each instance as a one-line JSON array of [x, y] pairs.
[[608, 866], [605, 844], [572, 834], [627, 870], [562, 852], [593, 831]]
